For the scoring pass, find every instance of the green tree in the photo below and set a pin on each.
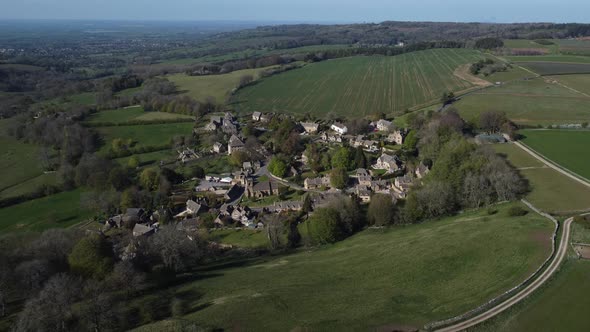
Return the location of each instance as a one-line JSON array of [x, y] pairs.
[[338, 178], [342, 158], [149, 179], [411, 141], [381, 210], [91, 257], [277, 167], [325, 226], [360, 159], [133, 162]]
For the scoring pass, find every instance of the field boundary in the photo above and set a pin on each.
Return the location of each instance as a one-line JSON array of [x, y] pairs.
[[448, 324], [554, 165]]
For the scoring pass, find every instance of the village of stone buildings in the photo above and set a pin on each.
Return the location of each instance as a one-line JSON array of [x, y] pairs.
[[261, 184]]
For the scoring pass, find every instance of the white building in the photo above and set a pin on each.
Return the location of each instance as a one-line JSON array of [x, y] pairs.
[[339, 128]]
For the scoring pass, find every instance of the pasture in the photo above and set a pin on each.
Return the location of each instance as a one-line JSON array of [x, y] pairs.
[[216, 86], [572, 46], [550, 58], [550, 190], [56, 211], [577, 82], [132, 114], [531, 102], [530, 44], [19, 161], [406, 275], [361, 85], [556, 68], [145, 135], [567, 148], [560, 306]]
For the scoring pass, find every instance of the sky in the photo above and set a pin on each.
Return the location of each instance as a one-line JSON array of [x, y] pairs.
[[302, 11]]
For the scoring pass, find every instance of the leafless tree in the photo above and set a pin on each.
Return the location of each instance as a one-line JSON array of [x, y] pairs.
[[274, 231], [52, 309], [126, 276], [175, 249]]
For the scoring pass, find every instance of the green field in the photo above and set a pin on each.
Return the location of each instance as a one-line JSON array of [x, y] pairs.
[[400, 276], [578, 82], [19, 161], [562, 305], [361, 85], [568, 148], [55, 211], [240, 55], [133, 114], [149, 158], [145, 135], [551, 191], [550, 58], [531, 102], [216, 86], [530, 44], [556, 68], [578, 47]]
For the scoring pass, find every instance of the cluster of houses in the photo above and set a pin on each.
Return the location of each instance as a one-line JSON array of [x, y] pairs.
[[141, 222]]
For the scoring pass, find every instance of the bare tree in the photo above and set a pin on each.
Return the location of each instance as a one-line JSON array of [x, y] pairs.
[[52, 309], [175, 249], [274, 231], [126, 277]]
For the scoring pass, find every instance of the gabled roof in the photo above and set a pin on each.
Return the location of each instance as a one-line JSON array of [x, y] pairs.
[[235, 141]]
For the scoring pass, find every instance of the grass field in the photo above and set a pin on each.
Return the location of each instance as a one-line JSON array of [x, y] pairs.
[[401, 276], [579, 82], [30, 185], [578, 47], [530, 44], [568, 148], [145, 135], [216, 86], [19, 161], [357, 86], [133, 114], [551, 191], [556, 68], [149, 158], [560, 306], [239, 55], [531, 102], [550, 58], [55, 211]]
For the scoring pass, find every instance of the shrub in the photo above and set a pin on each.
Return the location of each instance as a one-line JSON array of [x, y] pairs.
[[517, 211]]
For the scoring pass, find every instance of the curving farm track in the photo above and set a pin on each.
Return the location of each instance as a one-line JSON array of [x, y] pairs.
[[560, 255]]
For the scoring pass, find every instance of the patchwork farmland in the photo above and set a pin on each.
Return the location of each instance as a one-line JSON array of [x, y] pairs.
[[537, 101], [362, 85], [551, 143]]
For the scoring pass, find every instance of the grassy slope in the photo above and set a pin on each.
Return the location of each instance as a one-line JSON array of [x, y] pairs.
[[405, 275], [550, 190], [529, 102], [19, 161], [55, 211], [217, 86], [568, 148], [560, 306], [132, 114], [362, 85], [145, 135]]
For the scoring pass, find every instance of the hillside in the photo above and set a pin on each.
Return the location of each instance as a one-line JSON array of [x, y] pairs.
[[395, 277], [362, 85]]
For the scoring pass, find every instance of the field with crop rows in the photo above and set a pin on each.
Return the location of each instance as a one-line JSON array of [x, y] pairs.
[[362, 85], [556, 68], [532, 102]]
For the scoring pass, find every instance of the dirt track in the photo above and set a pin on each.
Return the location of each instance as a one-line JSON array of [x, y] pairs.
[[542, 278]]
